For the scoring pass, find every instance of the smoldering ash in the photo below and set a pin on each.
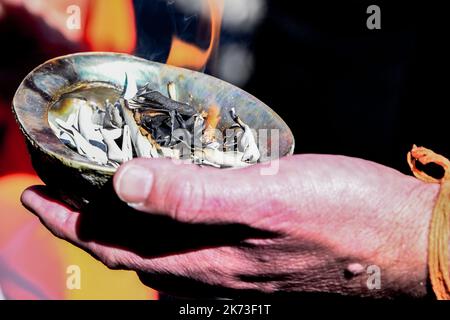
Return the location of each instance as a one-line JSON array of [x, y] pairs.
[[144, 122]]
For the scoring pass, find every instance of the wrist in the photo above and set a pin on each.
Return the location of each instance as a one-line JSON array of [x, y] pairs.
[[422, 204], [411, 271]]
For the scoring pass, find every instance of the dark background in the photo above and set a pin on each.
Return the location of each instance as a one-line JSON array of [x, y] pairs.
[[345, 89], [342, 89]]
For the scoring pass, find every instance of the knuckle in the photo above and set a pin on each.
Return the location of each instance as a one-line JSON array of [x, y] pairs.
[[106, 260], [60, 223], [109, 259], [111, 263], [186, 200], [116, 259]]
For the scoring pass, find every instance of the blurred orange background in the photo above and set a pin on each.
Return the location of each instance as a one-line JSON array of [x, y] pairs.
[[33, 263]]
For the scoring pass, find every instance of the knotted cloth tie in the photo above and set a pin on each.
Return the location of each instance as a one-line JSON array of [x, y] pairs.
[[438, 238]]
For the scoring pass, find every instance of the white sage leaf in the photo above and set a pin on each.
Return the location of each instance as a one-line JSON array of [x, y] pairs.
[[87, 129], [67, 139], [127, 148], [141, 144], [113, 118], [130, 87], [222, 159], [93, 153], [247, 142], [172, 91], [114, 152], [170, 153]]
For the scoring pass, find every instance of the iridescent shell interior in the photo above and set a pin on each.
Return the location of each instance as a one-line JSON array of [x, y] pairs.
[[43, 94]]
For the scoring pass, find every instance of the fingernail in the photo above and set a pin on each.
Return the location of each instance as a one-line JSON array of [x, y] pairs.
[[28, 200], [134, 184], [34, 200]]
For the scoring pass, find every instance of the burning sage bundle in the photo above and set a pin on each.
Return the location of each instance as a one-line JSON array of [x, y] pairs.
[[143, 122]]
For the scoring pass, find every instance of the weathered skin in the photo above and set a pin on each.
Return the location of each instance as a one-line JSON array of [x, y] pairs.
[[314, 218]]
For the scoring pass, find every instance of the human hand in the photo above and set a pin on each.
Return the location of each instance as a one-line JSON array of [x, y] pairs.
[[313, 227]]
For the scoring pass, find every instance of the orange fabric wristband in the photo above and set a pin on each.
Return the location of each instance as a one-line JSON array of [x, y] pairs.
[[438, 239]]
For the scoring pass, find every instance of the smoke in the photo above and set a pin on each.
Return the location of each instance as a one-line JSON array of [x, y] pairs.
[[189, 7], [238, 15], [159, 21], [235, 64]]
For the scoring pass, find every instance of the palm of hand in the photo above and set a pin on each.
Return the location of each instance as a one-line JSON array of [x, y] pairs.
[[315, 226]]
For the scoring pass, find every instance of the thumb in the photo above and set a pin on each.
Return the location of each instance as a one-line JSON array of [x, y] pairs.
[[193, 194]]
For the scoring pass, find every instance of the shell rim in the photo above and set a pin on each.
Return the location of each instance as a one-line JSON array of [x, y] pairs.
[[91, 165]]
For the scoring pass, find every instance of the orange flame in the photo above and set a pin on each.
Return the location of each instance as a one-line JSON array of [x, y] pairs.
[[213, 117], [187, 55], [212, 120], [111, 26]]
